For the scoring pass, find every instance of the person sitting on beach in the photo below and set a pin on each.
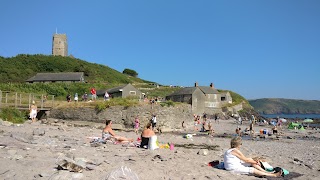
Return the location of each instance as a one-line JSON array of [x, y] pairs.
[[108, 134], [238, 131], [145, 135], [236, 162]]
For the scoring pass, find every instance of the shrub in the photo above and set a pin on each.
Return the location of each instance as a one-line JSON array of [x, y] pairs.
[[168, 103], [126, 102], [13, 115]]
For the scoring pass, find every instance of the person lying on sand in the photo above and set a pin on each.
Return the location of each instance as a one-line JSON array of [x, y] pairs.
[[108, 134], [236, 162]]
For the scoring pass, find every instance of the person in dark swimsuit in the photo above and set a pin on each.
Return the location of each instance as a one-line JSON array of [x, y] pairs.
[[145, 135]]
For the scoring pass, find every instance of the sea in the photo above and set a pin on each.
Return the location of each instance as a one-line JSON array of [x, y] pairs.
[[294, 117]]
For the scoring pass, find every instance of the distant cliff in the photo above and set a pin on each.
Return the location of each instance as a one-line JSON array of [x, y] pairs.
[[286, 106]]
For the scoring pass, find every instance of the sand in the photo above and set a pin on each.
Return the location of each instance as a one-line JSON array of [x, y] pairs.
[[35, 151]]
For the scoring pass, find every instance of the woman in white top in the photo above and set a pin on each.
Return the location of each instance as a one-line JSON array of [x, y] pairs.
[[33, 111], [236, 162]]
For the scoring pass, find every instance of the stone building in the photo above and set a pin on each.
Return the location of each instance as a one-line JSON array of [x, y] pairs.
[[121, 91], [59, 45], [203, 99]]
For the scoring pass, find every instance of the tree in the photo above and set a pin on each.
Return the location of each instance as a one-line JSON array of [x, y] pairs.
[[130, 72]]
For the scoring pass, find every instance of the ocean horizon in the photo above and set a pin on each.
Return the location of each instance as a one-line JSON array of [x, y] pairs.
[[292, 116]]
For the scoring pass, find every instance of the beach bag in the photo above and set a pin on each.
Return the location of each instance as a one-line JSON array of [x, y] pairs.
[[152, 144]]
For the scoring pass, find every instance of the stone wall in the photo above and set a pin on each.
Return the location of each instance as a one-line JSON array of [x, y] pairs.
[[166, 116]]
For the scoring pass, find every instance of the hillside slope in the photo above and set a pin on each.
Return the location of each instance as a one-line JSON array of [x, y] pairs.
[[24, 66], [286, 106]]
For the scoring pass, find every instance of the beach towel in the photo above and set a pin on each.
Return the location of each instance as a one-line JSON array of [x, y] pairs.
[[152, 144]]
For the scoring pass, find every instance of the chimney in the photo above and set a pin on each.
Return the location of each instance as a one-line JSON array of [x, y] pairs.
[[211, 85], [196, 84]]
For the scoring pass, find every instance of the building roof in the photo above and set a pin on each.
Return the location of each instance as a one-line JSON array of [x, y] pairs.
[[184, 91], [190, 90], [208, 90], [65, 76], [110, 91]]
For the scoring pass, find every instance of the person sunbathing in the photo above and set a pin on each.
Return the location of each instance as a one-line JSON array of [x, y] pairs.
[[108, 134], [146, 134], [236, 162]]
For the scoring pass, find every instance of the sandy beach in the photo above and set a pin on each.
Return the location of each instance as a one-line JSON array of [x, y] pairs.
[[36, 150]]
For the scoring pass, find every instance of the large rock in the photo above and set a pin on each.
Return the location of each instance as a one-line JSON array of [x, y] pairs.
[[117, 127], [5, 123], [39, 132], [166, 116]]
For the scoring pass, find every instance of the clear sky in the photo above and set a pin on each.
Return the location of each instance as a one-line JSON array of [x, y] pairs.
[[257, 48]]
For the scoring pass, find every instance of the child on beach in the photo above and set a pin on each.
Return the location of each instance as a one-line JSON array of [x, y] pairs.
[[238, 131], [210, 128], [136, 125]]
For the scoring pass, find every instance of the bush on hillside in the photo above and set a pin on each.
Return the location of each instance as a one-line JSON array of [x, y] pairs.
[[13, 115], [126, 102]]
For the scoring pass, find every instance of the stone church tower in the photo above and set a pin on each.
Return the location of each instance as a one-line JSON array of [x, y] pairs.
[[59, 45]]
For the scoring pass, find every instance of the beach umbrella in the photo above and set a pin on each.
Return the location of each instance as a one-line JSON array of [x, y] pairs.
[[308, 120]]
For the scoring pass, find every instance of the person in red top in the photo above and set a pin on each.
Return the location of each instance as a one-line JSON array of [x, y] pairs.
[[93, 93]]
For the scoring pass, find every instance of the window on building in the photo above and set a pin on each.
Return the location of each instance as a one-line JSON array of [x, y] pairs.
[[132, 92]]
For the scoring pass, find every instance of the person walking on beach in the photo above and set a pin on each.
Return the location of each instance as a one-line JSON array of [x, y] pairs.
[[33, 111], [154, 121], [251, 129], [106, 96], [68, 98], [93, 94], [85, 97], [210, 128], [76, 98], [216, 118], [195, 122]]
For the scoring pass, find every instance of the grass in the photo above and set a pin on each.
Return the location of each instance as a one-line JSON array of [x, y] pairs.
[[13, 115]]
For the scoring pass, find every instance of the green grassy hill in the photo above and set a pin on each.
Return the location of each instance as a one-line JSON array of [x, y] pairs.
[[286, 106], [23, 66], [14, 71]]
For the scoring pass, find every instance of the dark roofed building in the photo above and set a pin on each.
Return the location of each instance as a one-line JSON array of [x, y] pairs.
[[202, 98], [121, 91], [57, 77]]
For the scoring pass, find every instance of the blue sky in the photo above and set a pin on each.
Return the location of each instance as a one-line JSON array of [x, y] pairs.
[[257, 48]]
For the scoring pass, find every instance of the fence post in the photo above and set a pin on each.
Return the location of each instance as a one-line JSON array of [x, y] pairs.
[[20, 100], [29, 101], [41, 101], [52, 101], [6, 98], [0, 98], [16, 100]]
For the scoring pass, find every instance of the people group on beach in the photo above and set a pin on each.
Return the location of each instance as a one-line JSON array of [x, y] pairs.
[[234, 160]]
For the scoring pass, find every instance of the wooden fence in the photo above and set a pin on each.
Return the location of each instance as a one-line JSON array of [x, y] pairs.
[[24, 100]]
